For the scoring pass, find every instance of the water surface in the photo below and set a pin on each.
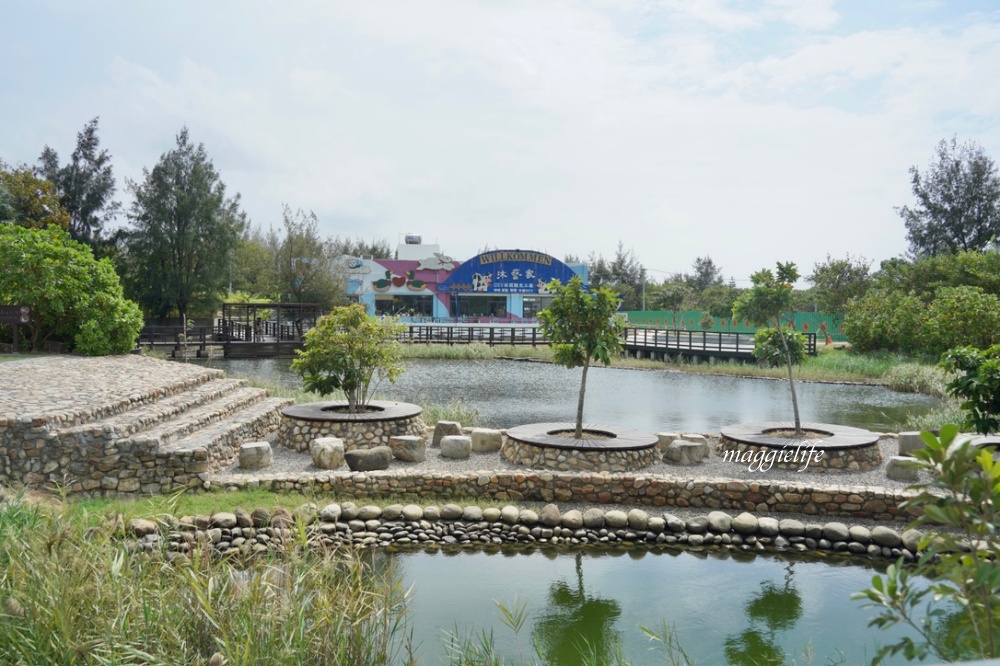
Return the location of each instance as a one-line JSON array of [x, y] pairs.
[[725, 609], [509, 393]]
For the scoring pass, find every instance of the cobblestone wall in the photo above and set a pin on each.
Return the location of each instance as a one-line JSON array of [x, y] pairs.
[[763, 497], [566, 460], [297, 434], [94, 463]]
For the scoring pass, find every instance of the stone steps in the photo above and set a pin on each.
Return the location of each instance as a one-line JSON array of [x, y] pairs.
[[221, 438], [196, 417], [147, 415]]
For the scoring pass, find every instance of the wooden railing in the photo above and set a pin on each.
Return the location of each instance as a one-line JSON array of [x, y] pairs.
[[680, 341], [459, 334]]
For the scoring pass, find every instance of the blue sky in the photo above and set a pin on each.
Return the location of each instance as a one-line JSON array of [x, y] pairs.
[[752, 132]]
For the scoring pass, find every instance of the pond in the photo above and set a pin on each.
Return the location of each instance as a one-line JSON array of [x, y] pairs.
[[509, 393], [724, 608]]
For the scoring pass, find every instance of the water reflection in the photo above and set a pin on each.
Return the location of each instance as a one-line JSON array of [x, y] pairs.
[[724, 607], [575, 623], [509, 393], [774, 608]]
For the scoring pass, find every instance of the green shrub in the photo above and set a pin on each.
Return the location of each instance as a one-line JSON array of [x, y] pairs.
[[74, 298]]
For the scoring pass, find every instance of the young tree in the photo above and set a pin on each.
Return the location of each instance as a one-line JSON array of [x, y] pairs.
[[581, 327], [764, 304], [74, 298], [348, 350], [958, 202], [184, 232], [85, 185], [30, 201]]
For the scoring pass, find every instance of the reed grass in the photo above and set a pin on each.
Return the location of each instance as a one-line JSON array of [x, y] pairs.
[[456, 410], [70, 594], [917, 378]]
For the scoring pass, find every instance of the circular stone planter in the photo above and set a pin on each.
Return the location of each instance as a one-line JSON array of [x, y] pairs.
[[825, 447], [301, 424], [540, 445]]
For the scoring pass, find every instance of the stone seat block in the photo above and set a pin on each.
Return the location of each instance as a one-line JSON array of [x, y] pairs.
[[367, 460], [327, 452], [408, 448], [486, 440], [256, 455], [683, 452], [444, 429], [909, 442], [897, 469], [456, 446]]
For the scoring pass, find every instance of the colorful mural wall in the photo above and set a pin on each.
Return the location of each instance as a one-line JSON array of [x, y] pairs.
[[500, 285]]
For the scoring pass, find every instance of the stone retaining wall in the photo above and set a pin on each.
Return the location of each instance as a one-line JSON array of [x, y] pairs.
[[301, 424], [242, 533], [576, 460], [297, 435], [867, 503], [856, 459], [100, 464]]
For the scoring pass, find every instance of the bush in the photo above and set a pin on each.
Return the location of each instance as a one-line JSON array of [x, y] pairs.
[[952, 317], [74, 298], [350, 351], [959, 554]]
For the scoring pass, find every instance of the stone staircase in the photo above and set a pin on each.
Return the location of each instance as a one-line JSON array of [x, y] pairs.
[[159, 435]]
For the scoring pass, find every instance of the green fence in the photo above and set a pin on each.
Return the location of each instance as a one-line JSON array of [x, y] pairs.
[[819, 323]]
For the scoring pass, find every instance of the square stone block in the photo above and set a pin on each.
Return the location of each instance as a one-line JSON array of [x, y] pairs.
[[456, 446], [486, 440], [408, 448], [256, 455], [327, 452]]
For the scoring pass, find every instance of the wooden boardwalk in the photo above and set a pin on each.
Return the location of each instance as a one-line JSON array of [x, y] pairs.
[[649, 343], [671, 343]]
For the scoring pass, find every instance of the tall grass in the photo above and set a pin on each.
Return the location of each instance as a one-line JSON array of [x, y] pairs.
[[456, 410], [70, 595], [917, 378]]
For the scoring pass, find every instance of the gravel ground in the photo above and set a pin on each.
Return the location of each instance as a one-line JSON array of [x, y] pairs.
[[291, 462]]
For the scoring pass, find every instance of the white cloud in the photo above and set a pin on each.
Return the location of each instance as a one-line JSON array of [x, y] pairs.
[[749, 132]]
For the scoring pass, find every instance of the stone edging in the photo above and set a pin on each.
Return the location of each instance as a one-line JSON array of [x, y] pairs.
[[763, 497], [242, 533]]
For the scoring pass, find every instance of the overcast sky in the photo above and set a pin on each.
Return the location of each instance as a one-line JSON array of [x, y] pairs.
[[751, 132]]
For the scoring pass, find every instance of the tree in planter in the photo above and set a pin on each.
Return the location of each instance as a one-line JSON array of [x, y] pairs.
[[959, 506], [347, 351], [764, 304], [581, 327]]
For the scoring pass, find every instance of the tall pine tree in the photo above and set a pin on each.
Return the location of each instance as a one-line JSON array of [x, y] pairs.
[[85, 185], [184, 230]]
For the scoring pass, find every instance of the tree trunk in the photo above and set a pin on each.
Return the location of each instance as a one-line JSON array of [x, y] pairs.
[[579, 404], [791, 382]]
